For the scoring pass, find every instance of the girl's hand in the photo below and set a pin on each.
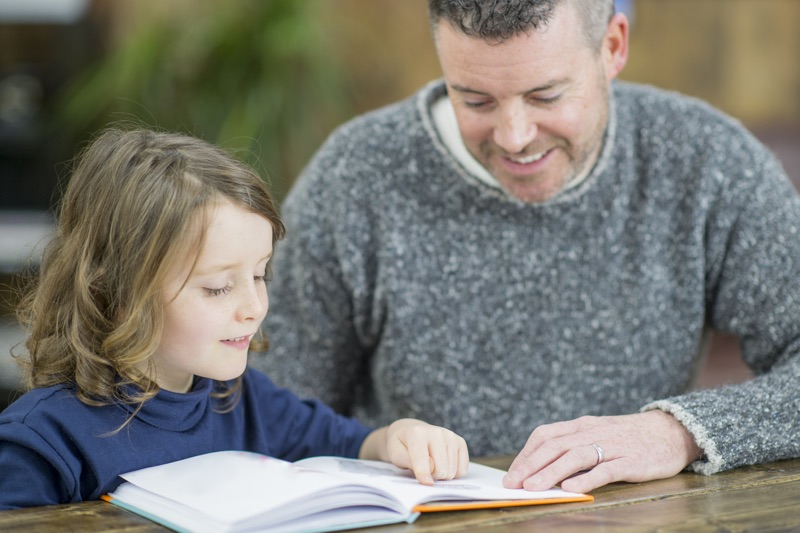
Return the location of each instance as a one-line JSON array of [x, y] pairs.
[[431, 452]]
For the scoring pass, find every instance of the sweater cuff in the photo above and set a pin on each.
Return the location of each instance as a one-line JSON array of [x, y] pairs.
[[711, 462]]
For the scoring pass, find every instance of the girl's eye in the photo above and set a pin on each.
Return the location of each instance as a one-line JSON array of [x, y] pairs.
[[266, 277], [217, 292], [475, 105]]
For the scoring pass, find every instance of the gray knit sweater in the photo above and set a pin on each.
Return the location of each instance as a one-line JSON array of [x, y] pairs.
[[407, 287]]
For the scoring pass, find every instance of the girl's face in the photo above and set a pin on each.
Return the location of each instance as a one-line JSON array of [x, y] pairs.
[[210, 320]]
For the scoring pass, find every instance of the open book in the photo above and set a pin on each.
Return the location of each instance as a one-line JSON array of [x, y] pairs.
[[241, 491]]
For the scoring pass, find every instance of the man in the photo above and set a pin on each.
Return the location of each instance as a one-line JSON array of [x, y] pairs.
[[532, 250]]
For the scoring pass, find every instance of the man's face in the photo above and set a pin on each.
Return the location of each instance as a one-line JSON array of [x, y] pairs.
[[533, 109]]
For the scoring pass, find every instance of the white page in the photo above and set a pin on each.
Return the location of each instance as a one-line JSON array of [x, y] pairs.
[[235, 486], [480, 483]]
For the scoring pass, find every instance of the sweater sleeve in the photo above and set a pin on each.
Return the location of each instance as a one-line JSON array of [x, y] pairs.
[[29, 477], [754, 292]]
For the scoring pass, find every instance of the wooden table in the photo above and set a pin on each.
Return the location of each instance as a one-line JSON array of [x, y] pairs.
[[757, 498]]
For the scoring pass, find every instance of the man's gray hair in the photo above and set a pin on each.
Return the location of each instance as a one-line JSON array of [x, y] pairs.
[[499, 20]]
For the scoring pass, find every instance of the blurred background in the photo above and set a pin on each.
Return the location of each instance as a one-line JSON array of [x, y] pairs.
[[270, 79]]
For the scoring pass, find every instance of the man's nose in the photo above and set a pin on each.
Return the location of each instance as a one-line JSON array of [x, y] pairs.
[[515, 129]]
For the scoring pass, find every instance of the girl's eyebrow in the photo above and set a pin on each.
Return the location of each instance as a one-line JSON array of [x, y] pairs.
[[226, 266]]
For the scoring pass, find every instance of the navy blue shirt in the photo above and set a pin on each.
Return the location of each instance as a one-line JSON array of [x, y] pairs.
[[55, 449]]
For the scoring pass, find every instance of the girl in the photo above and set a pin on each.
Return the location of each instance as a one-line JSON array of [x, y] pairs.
[[149, 295]]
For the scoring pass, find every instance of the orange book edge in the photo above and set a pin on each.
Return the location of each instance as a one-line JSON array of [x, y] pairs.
[[434, 507]]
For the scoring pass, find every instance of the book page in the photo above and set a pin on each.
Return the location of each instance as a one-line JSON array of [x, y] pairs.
[[236, 487], [481, 483]]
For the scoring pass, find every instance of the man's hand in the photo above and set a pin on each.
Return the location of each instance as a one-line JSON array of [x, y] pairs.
[[430, 452], [638, 447]]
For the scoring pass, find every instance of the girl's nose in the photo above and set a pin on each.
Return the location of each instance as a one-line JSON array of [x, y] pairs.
[[253, 303]]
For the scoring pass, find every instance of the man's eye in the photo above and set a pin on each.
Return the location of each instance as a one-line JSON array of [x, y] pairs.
[[547, 100]]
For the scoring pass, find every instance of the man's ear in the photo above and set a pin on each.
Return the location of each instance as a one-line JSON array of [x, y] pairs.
[[615, 45]]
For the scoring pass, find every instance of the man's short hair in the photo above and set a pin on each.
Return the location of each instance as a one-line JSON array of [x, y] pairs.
[[499, 20]]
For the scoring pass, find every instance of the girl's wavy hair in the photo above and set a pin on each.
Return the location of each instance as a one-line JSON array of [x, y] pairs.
[[499, 20], [94, 314]]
